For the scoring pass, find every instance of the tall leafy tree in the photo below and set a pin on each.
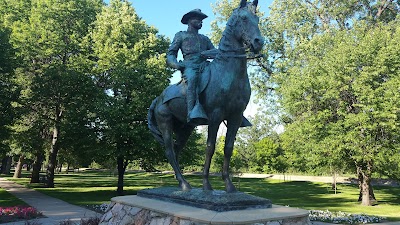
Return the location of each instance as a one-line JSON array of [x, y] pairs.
[[48, 39], [247, 138], [129, 63], [8, 91], [334, 81], [327, 67]]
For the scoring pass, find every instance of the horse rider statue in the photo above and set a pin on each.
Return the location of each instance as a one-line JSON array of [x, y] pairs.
[[191, 44]]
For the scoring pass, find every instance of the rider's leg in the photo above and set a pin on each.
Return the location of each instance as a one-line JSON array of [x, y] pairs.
[[196, 115], [191, 91]]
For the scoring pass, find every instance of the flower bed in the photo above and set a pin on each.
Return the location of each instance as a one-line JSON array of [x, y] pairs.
[[99, 208], [343, 218], [10, 214]]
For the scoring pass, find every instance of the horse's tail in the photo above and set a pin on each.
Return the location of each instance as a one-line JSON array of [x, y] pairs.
[[152, 123]]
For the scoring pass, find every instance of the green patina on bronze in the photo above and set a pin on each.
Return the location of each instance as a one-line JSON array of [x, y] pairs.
[[219, 201], [219, 91]]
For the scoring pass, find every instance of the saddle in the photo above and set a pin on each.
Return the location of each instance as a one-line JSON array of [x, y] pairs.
[[178, 90]]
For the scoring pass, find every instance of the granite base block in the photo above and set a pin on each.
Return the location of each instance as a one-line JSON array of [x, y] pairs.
[[127, 210]]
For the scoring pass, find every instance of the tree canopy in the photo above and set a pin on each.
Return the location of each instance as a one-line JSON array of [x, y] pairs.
[[129, 62], [87, 74], [332, 71]]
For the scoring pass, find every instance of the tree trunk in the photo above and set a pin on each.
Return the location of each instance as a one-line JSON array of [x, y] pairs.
[[37, 165], [55, 146], [4, 162], [18, 168], [366, 196], [67, 168], [334, 182], [121, 171], [60, 168], [365, 200], [6, 165]]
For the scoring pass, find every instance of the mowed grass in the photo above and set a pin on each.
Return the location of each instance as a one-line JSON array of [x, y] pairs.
[[320, 196], [7, 199], [93, 187]]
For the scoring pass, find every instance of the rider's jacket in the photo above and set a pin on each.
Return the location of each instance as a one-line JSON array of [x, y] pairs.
[[191, 45]]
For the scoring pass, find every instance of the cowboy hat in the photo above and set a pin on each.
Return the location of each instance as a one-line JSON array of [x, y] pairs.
[[191, 14]]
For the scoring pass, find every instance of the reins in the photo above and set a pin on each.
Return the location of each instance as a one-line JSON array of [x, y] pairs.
[[250, 56], [239, 55]]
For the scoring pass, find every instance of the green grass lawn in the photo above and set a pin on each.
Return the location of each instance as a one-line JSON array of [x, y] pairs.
[[92, 187], [7, 199]]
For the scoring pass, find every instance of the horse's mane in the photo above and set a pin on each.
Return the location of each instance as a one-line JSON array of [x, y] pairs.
[[232, 21]]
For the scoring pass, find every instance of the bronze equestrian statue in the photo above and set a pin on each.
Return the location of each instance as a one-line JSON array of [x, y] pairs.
[[223, 91], [191, 44]]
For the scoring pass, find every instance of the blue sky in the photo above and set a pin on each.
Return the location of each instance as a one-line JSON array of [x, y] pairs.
[[166, 15]]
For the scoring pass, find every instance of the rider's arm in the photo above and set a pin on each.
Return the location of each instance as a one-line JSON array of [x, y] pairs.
[[172, 53], [211, 51], [210, 44], [210, 54]]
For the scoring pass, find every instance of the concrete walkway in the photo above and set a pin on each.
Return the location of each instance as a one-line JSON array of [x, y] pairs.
[[54, 209]]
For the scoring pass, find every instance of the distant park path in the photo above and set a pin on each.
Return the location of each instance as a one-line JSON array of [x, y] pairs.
[[322, 179]]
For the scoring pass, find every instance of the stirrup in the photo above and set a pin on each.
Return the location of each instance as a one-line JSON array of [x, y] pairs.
[[197, 116]]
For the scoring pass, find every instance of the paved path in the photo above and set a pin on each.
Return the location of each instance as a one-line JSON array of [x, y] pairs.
[[297, 178], [54, 209]]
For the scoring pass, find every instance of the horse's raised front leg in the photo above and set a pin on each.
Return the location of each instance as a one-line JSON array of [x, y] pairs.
[[232, 128], [211, 139]]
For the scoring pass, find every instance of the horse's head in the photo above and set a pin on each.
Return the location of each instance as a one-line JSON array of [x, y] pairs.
[[243, 26]]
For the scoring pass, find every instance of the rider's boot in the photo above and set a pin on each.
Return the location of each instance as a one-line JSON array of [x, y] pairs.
[[196, 115]]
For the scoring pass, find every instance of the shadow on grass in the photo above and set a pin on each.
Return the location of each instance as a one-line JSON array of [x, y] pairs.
[[301, 194], [388, 195], [89, 197], [7, 199]]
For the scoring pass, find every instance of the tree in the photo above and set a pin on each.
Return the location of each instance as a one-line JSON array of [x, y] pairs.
[[334, 80], [30, 138], [129, 63], [218, 160], [79, 142], [8, 91], [192, 157], [327, 68], [269, 156], [48, 39], [263, 127]]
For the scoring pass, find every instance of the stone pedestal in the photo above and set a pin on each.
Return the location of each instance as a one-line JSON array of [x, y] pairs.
[[138, 210]]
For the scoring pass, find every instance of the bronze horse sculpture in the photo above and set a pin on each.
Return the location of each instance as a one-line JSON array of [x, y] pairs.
[[224, 96]]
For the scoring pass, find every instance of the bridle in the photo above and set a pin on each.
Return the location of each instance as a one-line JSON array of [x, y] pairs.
[[238, 52]]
